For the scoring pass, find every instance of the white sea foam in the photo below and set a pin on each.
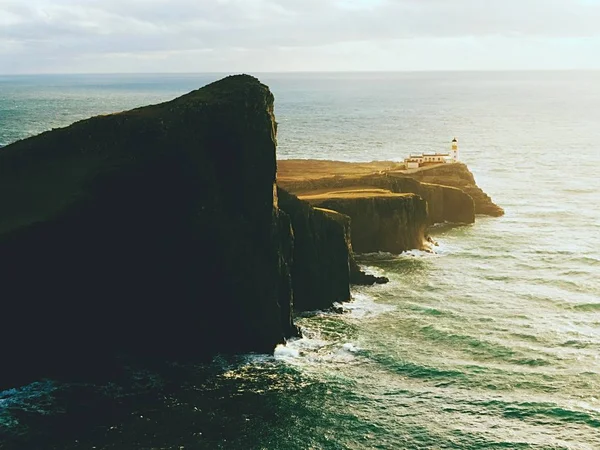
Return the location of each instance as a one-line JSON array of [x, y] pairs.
[[350, 347], [307, 352], [285, 352], [364, 305]]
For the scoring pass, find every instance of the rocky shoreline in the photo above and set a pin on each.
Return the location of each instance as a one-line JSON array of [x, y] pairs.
[[172, 232]]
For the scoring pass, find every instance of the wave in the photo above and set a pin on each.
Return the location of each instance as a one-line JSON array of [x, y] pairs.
[[576, 344], [499, 277], [386, 256], [472, 344], [412, 369], [327, 337], [575, 258], [313, 350], [364, 305], [432, 311], [534, 410], [587, 307], [572, 273], [34, 398], [526, 337], [580, 191], [532, 362]]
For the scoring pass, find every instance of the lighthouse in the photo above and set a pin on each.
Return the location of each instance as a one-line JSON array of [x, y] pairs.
[[454, 151]]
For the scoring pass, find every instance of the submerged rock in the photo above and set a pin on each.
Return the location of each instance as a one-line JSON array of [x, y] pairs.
[[153, 231]]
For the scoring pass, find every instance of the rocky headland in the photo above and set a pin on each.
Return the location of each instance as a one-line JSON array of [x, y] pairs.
[[450, 190], [166, 232]]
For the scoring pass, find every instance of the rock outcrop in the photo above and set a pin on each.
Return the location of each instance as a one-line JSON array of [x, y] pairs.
[[460, 177], [445, 203], [380, 221], [320, 270], [449, 189], [323, 260], [154, 231]]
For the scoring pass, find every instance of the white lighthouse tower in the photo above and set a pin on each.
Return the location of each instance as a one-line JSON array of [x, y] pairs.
[[454, 151]]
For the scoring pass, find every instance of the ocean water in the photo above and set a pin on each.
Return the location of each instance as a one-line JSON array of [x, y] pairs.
[[492, 342]]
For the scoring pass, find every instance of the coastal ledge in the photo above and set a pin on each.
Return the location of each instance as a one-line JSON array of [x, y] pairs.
[[449, 189]]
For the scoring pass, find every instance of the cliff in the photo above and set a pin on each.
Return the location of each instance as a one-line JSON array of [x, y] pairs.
[[460, 177], [153, 231], [323, 260], [160, 232], [380, 221], [320, 270], [445, 203]]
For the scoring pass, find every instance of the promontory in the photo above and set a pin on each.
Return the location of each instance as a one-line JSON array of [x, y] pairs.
[[167, 232]]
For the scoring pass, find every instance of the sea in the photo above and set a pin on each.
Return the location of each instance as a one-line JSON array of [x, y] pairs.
[[490, 342]]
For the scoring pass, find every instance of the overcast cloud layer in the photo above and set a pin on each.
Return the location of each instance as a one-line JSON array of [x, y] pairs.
[[305, 35]]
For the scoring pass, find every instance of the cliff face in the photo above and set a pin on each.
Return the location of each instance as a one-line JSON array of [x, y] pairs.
[[320, 270], [445, 203], [154, 231], [323, 259], [459, 176], [380, 221]]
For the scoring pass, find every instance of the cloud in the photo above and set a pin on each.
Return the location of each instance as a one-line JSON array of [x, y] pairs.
[[67, 30]]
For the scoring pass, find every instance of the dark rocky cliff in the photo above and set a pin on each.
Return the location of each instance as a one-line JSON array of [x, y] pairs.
[[320, 270], [153, 231], [323, 260], [380, 221]]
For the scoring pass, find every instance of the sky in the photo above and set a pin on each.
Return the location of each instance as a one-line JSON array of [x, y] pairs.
[[122, 36]]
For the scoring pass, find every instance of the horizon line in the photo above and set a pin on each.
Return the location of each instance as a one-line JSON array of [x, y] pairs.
[[304, 72]]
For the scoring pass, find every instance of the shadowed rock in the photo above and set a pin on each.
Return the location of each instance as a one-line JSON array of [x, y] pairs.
[[153, 231], [323, 261], [320, 271]]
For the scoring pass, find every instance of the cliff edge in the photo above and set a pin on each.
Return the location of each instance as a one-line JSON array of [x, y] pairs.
[[458, 176], [450, 190]]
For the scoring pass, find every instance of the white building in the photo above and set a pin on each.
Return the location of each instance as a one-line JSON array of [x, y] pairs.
[[428, 159], [454, 152]]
